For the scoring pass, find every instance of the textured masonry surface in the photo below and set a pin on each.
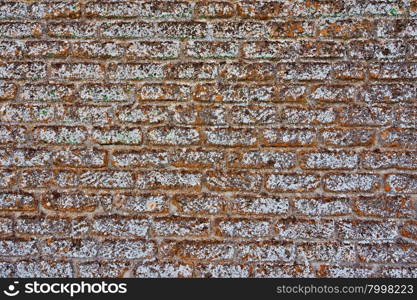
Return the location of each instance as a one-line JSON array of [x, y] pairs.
[[208, 138]]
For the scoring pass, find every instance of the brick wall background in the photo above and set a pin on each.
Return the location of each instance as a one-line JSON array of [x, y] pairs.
[[208, 138]]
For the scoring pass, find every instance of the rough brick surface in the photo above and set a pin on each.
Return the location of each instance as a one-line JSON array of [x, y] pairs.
[[227, 138]]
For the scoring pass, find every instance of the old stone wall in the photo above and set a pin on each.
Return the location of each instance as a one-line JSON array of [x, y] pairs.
[[208, 138]]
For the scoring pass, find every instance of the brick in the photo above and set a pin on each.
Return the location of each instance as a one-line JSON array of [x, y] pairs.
[[261, 159], [180, 226], [233, 93], [54, 10], [155, 9], [253, 115], [266, 251], [306, 116], [13, 134], [117, 135], [36, 178], [47, 92], [406, 117], [127, 249], [293, 228], [157, 50], [272, 270], [201, 204], [392, 70], [399, 272], [259, 205], [126, 30], [328, 252], [103, 269], [148, 114], [391, 93], [72, 30], [7, 90], [197, 158], [209, 49], [347, 137], [67, 178], [214, 9], [77, 201], [106, 179], [289, 137], [366, 230], [137, 71], [9, 49], [335, 271], [291, 29], [242, 228], [304, 71], [144, 203], [230, 137], [292, 182], [77, 71], [192, 70], [222, 271], [243, 71], [233, 181], [164, 92], [6, 227], [371, 49], [45, 49], [398, 137], [14, 10], [204, 250], [401, 183], [358, 182], [20, 30], [397, 28], [17, 201], [74, 248], [291, 93], [42, 226], [24, 157], [333, 93], [163, 270], [18, 247], [96, 50], [389, 159], [173, 136], [409, 230], [325, 206], [59, 135], [384, 206], [345, 29], [182, 30], [85, 114], [17, 113], [82, 157], [121, 227], [8, 178], [23, 70], [141, 158], [240, 30], [349, 71], [168, 180], [364, 115], [322, 160]]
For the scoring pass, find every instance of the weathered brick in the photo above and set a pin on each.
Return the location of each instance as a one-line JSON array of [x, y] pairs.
[[385, 206], [120, 226], [8, 178], [406, 117], [72, 30], [117, 135], [222, 271], [36, 178], [18, 247], [19, 201], [347, 137], [141, 158], [393, 92], [137, 71], [74, 248], [322, 160], [22, 70], [322, 206], [365, 115], [103, 269], [18, 113], [292, 182], [20, 30], [333, 93], [289, 137], [75, 201], [335, 271], [399, 137], [77, 71], [371, 49], [148, 114], [409, 230], [180, 226], [294, 228], [192, 70], [252, 115], [173, 136], [307, 116], [214, 9], [6, 227], [85, 114], [96, 50], [366, 230], [197, 158], [7, 90], [401, 183], [164, 92], [306, 71], [45, 49], [391, 70], [168, 180], [209, 49], [357, 182], [192, 204], [291, 29], [329, 252], [230, 137], [261, 159], [272, 270], [240, 30], [181, 30], [242, 228], [345, 29], [42, 226], [397, 28], [158, 50], [59, 134], [106, 179], [47, 92], [144, 203], [126, 30], [244, 71], [389, 159], [259, 205], [164, 270], [127, 249], [82, 157], [233, 181]]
